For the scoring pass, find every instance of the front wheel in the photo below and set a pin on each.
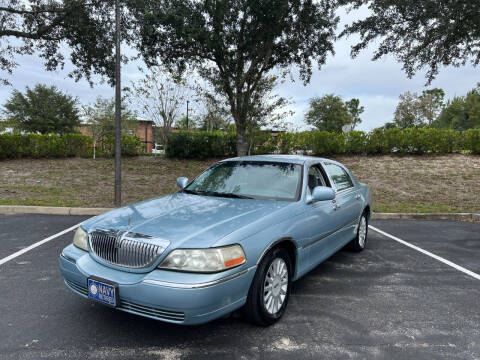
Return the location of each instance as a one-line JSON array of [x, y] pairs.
[[360, 241], [270, 290]]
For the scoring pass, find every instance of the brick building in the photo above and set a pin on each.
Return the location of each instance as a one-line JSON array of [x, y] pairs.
[[144, 133]]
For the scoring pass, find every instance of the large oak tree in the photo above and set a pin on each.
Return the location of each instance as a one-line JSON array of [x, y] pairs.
[[420, 33], [235, 44], [83, 31]]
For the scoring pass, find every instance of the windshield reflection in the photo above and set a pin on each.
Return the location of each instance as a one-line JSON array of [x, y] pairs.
[[249, 180]]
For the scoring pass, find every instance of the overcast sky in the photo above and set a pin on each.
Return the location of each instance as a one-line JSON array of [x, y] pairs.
[[377, 84]]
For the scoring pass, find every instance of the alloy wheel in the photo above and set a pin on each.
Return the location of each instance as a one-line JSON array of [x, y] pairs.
[[275, 286]]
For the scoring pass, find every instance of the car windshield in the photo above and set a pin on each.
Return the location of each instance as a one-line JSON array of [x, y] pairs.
[[249, 179]]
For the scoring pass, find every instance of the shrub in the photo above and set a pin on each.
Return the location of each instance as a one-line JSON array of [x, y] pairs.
[[327, 143], [286, 142], [264, 143], [471, 140], [131, 146], [355, 142], [16, 146], [201, 144]]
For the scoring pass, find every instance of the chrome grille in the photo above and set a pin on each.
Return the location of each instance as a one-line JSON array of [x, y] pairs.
[[153, 312], [78, 288], [124, 251]]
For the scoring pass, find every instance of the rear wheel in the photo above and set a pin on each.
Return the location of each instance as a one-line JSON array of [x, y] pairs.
[[269, 293], [360, 241]]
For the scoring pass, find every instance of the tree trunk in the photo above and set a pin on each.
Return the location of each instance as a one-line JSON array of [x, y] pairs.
[[242, 144]]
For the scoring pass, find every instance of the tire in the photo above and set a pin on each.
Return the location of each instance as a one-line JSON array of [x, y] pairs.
[[360, 241], [263, 306]]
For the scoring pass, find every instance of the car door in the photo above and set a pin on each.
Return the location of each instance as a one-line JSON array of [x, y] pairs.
[[347, 202], [322, 217]]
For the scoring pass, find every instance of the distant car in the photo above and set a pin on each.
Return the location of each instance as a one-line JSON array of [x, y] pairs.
[[236, 236], [158, 149]]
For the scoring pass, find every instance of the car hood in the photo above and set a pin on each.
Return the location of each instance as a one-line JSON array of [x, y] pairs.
[[186, 220]]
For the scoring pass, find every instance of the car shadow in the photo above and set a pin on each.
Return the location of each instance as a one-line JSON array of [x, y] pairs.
[[121, 325]]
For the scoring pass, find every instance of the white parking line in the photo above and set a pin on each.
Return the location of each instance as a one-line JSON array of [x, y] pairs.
[[428, 253], [37, 244]]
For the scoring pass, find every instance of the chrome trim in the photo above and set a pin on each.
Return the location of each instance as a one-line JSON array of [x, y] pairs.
[[126, 249], [195, 286], [79, 289], [68, 258], [329, 233], [151, 311]]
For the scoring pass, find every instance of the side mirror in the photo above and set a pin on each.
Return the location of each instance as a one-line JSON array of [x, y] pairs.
[[322, 193], [182, 182]]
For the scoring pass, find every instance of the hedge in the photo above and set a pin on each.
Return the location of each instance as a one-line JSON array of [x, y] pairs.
[[379, 141], [130, 145], [201, 144], [17, 146]]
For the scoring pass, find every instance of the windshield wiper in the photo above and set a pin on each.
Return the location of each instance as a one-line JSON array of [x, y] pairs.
[[218, 194], [236, 196], [192, 192]]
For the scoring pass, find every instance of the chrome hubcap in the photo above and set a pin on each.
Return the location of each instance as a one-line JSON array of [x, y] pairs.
[[275, 286], [362, 232]]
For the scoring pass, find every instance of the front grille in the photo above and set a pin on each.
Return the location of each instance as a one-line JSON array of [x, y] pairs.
[[110, 246], [135, 308]]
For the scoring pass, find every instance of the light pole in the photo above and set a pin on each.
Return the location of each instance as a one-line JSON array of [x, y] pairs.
[[187, 114], [118, 130]]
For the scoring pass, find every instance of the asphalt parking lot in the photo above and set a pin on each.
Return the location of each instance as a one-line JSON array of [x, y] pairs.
[[388, 302]]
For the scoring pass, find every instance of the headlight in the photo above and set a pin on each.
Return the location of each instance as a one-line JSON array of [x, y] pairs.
[[204, 260], [80, 239]]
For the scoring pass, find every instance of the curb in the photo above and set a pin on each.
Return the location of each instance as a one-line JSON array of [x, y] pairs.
[[50, 210], [427, 216], [53, 210]]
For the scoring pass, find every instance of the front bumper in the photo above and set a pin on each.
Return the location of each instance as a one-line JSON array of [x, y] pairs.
[[169, 296]]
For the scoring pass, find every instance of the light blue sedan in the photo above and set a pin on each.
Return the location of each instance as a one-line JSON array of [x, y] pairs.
[[235, 237]]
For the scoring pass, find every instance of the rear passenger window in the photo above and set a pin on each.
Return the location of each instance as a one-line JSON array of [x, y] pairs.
[[339, 177]]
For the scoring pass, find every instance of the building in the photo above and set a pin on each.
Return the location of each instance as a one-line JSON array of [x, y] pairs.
[[144, 132]]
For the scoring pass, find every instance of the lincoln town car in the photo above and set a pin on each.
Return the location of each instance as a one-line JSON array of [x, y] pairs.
[[234, 238]]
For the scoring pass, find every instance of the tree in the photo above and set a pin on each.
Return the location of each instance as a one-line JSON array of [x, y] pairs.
[[355, 110], [43, 109], [267, 110], [414, 110], [160, 96], [431, 104], [100, 119], [421, 33], [46, 26], [462, 112], [408, 112], [214, 114], [234, 44], [328, 113], [182, 123]]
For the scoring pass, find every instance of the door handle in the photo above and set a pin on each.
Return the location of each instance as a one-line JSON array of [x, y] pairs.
[[358, 197], [335, 205]]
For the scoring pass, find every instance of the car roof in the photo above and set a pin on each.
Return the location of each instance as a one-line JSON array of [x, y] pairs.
[[294, 159]]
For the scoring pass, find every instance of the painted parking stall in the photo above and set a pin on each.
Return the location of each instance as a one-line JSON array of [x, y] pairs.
[[389, 301], [20, 231]]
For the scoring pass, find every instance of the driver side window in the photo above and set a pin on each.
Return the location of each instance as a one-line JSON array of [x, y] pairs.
[[315, 178]]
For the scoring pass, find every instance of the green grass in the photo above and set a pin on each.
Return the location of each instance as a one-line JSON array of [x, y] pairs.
[[418, 184]]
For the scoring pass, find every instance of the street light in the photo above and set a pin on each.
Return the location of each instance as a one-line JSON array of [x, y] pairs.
[[118, 130]]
